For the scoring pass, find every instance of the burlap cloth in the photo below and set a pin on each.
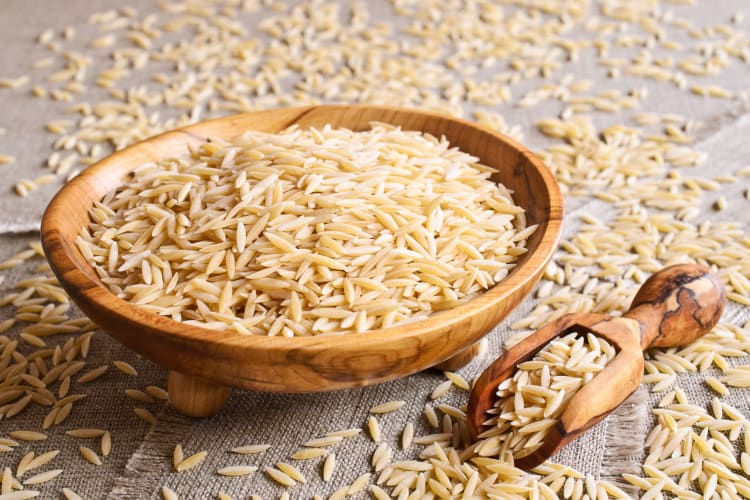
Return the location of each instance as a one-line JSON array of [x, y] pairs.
[[141, 459]]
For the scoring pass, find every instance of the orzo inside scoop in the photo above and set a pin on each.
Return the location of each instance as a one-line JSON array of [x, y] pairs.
[[306, 232], [532, 401]]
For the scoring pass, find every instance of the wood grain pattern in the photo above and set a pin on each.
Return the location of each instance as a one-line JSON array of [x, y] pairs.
[[673, 307], [310, 363], [463, 358], [194, 396]]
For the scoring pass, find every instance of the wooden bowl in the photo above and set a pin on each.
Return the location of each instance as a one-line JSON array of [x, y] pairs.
[[204, 362]]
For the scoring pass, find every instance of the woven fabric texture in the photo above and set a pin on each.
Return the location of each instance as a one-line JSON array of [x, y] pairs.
[[141, 459]]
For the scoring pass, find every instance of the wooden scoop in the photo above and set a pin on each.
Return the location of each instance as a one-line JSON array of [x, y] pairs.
[[674, 306]]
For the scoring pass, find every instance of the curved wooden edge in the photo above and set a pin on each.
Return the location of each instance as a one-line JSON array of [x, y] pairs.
[[464, 357], [60, 225]]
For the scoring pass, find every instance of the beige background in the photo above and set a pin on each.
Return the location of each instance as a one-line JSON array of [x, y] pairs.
[[141, 460]]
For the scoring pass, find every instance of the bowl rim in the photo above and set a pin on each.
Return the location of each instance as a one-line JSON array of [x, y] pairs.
[[69, 273]]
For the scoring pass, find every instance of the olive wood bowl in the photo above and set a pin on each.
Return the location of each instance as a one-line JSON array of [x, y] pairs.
[[204, 362]]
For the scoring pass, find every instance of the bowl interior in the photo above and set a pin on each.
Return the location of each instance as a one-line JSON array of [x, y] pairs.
[[264, 362]]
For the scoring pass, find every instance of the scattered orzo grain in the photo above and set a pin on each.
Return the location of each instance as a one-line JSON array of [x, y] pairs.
[[106, 443], [345, 433], [145, 415], [168, 493], [177, 456], [125, 368], [308, 453], [237, 470], [85, 433], [279, 476], [70, 494], [457, 380], [441, 389], [624, 167], [291, 471], [90, 455], [157, 392], [374, 428], [328, 467], [359, 484], [323, 442], [43, 477], [388, 407], [407, 435], [191, 461], [42, 459], [26, 435]]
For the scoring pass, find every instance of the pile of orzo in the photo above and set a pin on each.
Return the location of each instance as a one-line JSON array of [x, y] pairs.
[[307, 232]]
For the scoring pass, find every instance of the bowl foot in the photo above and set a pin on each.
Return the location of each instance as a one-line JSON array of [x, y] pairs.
[[464, 357], [195, 397]]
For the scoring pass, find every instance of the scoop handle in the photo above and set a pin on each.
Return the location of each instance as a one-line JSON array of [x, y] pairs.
[[677, 305]]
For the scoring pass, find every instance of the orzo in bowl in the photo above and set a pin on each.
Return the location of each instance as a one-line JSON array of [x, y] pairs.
[[230, 255]]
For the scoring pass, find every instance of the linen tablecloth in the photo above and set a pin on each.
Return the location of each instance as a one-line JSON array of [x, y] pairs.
[[504, 85]]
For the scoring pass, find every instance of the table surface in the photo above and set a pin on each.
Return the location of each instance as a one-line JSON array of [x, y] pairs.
[[493, 89]]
